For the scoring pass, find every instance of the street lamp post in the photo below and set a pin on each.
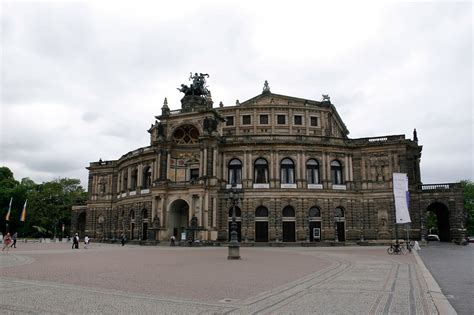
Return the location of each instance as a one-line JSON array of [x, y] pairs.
[[361, 229], [246, 218], [422, 223], [234, 246], [308, 234]]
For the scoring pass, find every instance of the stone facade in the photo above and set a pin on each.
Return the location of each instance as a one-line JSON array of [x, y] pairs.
[[300, 178]]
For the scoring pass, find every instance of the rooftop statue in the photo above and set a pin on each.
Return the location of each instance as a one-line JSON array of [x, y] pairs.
[[266, 87], [326, 98], [197, 87]]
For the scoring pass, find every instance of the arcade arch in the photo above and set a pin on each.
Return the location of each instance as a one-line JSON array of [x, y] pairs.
[[440, 210], [178, 217]]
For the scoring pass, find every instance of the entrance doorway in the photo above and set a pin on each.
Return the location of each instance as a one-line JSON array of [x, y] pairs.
[[314, 236], [261, 231], [289, 231], [261, 224], [145, 231], [178, 217], [441, 223], [341, 231], [288, 224]]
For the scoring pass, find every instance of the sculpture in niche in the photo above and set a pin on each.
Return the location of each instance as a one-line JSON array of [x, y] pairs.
[[160, 130], [156, 221], [378, 170], [194, 222], [102, 185], [210, 124]]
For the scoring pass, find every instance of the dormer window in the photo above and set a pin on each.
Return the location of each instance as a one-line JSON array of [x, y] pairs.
[[229, 121], [281, 119]]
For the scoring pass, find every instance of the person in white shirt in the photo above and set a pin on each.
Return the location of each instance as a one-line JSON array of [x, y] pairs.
[[86, 241]]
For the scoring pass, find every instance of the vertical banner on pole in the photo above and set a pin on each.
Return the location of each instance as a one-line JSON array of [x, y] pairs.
[[402, 196]]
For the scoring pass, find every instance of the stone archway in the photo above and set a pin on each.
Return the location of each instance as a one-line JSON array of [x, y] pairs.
[[81, 224], [442, 215], [178, 218]]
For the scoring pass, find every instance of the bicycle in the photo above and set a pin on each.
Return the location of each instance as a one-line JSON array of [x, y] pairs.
[[396, 249]]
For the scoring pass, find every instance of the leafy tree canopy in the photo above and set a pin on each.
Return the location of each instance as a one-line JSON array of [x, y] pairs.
[[49, 204], [469, 205]]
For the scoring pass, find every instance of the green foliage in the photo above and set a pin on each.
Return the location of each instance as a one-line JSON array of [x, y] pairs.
[[432, 223], [468, 187], [49, 204]]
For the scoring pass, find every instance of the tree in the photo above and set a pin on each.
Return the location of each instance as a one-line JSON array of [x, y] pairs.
[[11, 188], [49, 204], [468, 187]]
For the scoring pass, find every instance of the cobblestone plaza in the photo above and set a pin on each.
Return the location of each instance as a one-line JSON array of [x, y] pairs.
[[110, 279]]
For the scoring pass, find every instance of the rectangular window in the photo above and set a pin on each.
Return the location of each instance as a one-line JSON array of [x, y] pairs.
[[229, 121], [298, 120], [194, 174], [314, 121], [281, 119], [246, 120], [263, 119]]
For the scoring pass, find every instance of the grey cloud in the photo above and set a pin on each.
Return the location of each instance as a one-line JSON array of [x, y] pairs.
[[90, 116], [114, 73]]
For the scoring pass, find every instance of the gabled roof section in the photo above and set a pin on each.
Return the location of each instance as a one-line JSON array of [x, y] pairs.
[[269, 99]]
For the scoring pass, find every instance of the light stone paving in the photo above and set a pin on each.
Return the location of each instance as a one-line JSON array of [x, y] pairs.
[[357, 281]]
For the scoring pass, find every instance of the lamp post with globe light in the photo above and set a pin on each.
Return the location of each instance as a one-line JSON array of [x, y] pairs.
[[234, 245]]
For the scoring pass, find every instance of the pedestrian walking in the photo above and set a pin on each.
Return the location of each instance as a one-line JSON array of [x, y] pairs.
[[6, 242], [416, 246], [75, 241], [173, 240], [86, 241], [14, 237], [123, 239]]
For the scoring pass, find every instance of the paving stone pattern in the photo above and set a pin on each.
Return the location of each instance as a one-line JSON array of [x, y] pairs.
[[110, 279]]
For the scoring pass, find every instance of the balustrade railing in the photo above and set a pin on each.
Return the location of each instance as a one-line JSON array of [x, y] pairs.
[[438, 186]]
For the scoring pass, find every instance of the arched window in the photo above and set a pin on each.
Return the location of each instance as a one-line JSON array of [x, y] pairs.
[[261, 171], [125, 180], [312, 171], [186, 134], [145, 214], [336, 172], [235, 172], [238, 212], [288, 211], [146, 182], [287, 172], [133, 184], [314, 212], [132, 215], [339, 212], [261, 212]]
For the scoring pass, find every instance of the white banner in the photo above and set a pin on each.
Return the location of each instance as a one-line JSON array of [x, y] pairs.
[[402, 197]]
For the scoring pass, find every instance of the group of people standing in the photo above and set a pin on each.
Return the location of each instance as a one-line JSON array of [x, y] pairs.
[[75, 241], [9, 241]]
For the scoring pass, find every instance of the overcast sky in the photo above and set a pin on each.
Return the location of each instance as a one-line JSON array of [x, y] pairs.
[[82, 81]]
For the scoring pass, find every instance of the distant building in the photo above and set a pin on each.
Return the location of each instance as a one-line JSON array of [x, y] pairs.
[[302, 179]]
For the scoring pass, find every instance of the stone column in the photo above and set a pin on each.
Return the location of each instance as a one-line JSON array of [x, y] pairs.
[[204, 169], [129, 178], [139, 176]]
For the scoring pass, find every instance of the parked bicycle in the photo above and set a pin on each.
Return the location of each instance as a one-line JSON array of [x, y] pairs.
[[396, 249]]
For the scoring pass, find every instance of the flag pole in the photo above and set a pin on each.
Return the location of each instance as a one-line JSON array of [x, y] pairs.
[[7, 217]]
